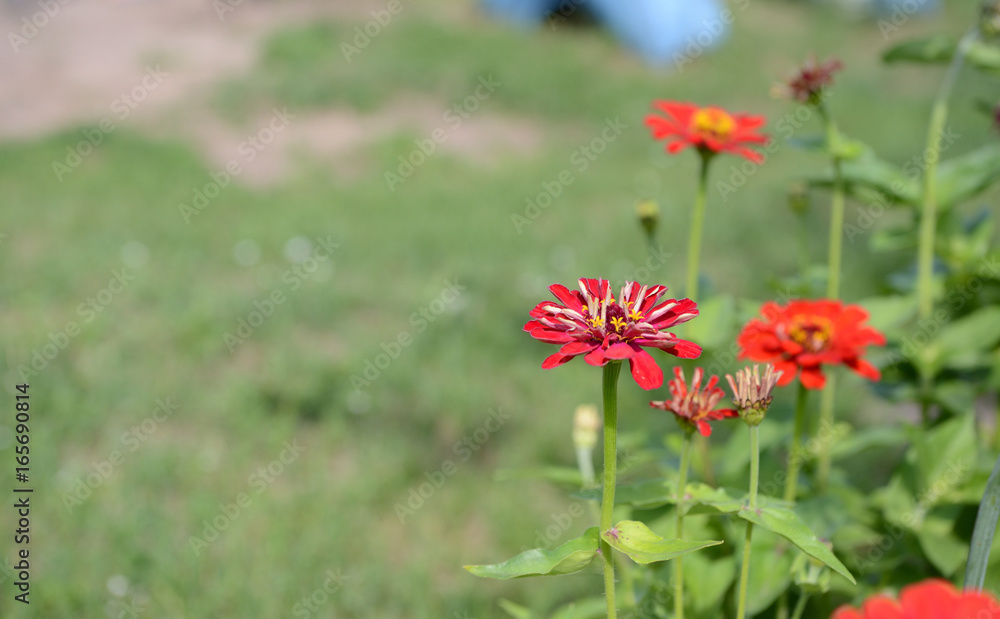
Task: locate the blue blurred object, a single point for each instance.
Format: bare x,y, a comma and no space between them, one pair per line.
660,31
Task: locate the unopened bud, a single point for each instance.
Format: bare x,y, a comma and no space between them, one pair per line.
798,198
586,423
752,393
648,212
990,18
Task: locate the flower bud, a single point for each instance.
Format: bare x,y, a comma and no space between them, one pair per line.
586,423
798,198
648,212
752,393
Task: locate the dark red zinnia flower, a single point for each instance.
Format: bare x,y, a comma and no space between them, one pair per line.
695,406
709,129
930,599
804,335
807,85
593,323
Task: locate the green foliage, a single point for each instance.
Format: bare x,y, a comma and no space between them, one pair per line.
568,558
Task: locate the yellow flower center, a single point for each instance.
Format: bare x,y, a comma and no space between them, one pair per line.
714,122
813,332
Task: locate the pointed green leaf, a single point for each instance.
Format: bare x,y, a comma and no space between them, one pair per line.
570,557
643,494
708,580
785,523
937,49
637,541
964,177
516,611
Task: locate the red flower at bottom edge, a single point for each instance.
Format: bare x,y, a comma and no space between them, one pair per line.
931,599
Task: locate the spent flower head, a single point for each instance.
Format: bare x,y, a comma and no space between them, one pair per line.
648,212
694,406
752,392
808,84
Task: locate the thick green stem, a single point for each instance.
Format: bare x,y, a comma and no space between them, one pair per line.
697,223
754,477
928,218
800,607
611,372
795,453
681,492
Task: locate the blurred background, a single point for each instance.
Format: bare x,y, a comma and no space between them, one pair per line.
268,264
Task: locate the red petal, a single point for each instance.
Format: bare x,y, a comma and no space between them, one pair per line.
645,371
577,348
788,371
846,612
864,368
704,428
619,351
555,361
884,608
812,378
596,357
931,599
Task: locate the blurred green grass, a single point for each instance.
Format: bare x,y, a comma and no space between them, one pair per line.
333,508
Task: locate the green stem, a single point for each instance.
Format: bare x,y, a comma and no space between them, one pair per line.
754,476
800,607
836,208
611,372
697,223
681,492
795,455
928,218
825,432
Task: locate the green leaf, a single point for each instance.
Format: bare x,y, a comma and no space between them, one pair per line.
568,558
983,55
708,500
770,573
938,541
937,49
873,436
644,494
785,523
590,608
707,580
716,322
984,532
637,541
867,171
884,313
516,611
942,455
979,331
964,177
561,475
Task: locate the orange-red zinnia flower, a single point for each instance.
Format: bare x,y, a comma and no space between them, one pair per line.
709,129
695,406
931,599
804,335
591,322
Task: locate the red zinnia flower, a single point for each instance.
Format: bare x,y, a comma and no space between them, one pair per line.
931,599
709,129
591,322
807,334
694,406
807,85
